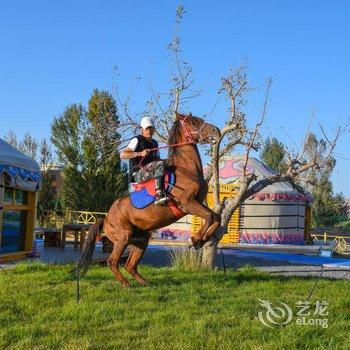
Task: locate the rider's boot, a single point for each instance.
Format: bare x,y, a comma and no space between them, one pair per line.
161,198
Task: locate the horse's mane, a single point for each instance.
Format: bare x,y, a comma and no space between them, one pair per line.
174,135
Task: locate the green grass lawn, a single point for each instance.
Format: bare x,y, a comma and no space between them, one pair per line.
179,310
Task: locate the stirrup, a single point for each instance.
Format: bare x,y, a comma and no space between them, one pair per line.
160,200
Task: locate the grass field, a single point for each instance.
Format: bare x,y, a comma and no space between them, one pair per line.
179,310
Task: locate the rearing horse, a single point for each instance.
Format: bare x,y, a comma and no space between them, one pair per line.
126,225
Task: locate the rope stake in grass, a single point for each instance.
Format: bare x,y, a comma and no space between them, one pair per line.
328,284
313,288
223,261
78,287
6,272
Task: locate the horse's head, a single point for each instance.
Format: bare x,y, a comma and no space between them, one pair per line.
197,130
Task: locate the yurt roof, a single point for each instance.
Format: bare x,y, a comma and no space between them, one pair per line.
22,171
231,169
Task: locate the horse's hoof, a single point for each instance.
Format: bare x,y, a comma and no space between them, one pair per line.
125,285
198,245
142,282
195,243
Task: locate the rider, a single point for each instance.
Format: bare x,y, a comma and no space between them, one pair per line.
139,150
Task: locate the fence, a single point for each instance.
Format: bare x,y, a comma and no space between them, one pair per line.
343,242
57,218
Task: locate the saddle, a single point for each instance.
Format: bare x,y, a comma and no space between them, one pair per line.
144,193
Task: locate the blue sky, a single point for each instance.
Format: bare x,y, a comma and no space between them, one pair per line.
55,53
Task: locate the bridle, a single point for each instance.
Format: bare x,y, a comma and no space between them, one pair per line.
189,133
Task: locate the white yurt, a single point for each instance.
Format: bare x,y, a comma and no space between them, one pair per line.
19,183
278,214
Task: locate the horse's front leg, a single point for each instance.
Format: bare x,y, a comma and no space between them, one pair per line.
211,221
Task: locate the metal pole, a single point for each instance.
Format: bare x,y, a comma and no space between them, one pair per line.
78,286
223,261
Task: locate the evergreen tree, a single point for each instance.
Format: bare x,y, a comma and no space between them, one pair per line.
273,154
46,198
66,135
86,141
327,208
110,180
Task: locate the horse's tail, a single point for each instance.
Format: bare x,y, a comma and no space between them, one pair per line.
88,249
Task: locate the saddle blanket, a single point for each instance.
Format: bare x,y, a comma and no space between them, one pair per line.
144,193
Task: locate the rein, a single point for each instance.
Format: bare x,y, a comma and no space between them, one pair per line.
173,145
167,146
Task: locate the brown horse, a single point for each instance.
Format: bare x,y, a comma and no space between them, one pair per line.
125,225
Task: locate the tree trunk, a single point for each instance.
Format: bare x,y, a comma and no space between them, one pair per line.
209,253
210,248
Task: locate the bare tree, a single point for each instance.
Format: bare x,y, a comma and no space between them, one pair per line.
29,146
160,105
11,138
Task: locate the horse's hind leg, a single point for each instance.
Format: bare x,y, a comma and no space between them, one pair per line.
139,243
131,265
113,261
